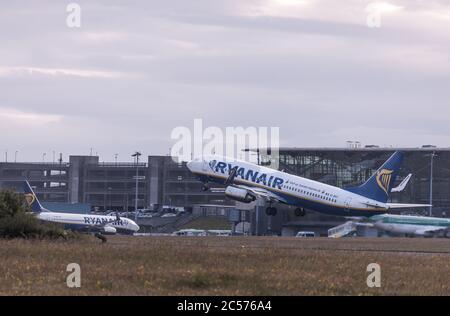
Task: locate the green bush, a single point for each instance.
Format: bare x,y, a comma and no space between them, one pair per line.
17,220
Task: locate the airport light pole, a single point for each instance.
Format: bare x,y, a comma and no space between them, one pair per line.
433,154
136,155
110,198
257,154
15,156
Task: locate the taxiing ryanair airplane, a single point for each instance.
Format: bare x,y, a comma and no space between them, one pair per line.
98,224
245,182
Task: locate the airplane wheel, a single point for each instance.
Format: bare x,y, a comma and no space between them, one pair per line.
205,188
101,237
271,211
300,212
274,211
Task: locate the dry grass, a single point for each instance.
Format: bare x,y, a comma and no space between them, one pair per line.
224,266
209,223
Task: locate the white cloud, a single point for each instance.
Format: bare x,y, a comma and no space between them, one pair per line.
276,8
26,118
383,7
84,73
103,36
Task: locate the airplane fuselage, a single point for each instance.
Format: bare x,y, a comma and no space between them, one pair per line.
294,190
411,225
86,221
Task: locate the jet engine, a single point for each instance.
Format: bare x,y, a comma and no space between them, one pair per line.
239,194
109,230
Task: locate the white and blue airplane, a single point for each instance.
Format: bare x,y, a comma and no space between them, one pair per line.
245,182
100,225
412,225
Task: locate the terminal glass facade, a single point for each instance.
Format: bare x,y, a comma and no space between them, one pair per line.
351,167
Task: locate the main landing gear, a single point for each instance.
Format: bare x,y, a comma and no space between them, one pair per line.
271,211
300,212
205,187
101,237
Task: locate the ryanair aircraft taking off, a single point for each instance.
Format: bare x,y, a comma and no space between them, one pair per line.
245,182
98,224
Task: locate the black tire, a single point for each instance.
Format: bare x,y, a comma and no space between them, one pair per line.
274,211
271,211
205,188
300,212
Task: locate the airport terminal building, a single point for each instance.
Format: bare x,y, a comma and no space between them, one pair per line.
162,181
346,167
110,186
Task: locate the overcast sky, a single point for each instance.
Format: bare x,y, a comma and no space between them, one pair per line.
135,70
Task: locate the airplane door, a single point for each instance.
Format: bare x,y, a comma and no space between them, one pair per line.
347,203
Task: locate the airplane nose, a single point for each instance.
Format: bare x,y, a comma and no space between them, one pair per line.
195,165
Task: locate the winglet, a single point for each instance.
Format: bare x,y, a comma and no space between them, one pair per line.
403,184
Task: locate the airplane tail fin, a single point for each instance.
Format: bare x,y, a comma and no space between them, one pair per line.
32,199
381,182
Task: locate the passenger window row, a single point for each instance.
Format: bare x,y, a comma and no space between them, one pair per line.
323,197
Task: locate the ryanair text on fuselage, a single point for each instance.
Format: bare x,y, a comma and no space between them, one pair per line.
247,174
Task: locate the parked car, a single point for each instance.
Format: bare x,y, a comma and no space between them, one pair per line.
169,215
303,234
190,232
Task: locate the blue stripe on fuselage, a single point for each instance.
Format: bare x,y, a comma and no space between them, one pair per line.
298,201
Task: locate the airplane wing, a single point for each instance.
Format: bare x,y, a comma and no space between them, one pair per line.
358,219
402,205
364,224
430,230
402,185
262,193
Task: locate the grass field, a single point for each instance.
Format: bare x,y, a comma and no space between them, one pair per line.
225,266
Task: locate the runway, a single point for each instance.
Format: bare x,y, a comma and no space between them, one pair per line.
381,245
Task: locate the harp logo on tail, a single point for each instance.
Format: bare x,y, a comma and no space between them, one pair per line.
30,197
384,178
